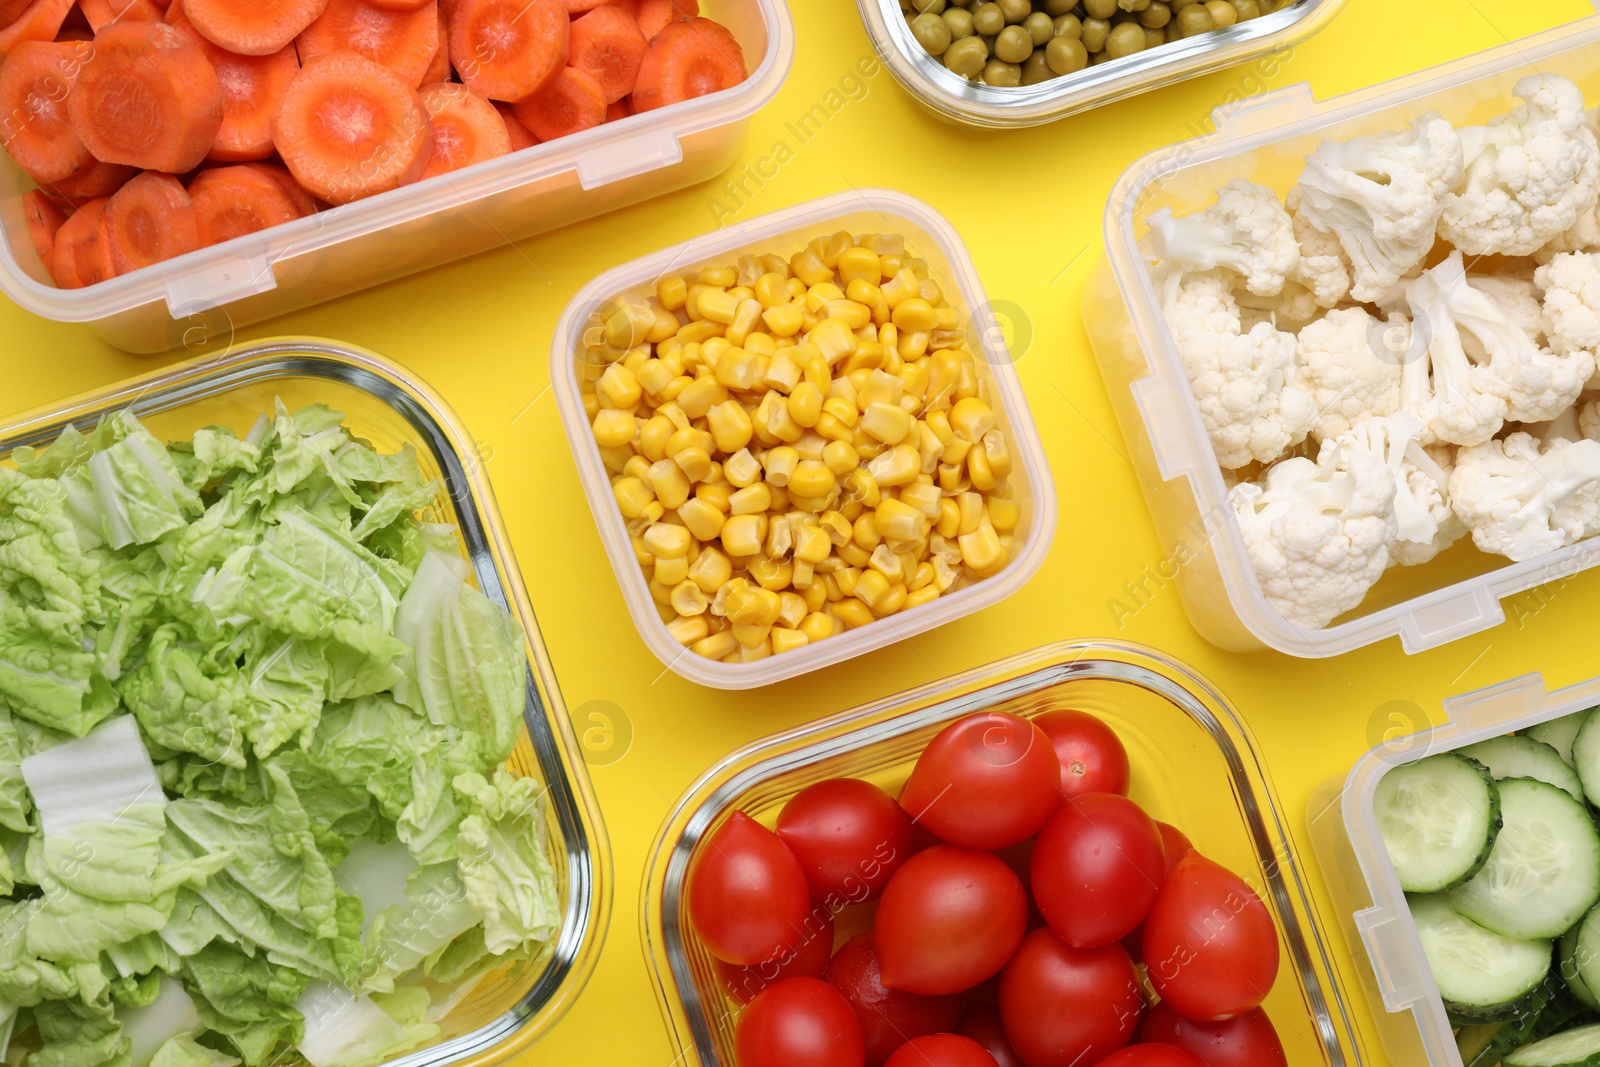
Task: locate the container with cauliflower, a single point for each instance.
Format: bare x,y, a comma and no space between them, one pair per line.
1370,347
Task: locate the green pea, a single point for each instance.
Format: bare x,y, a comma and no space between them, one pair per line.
996,72
931,33
989,19
959,20
1040,27
1155,16
1015,10
1069,26
1013,45
928,7
1066,55
1124,40
1057,8
1195,19
1095,32
967,56
1247,9
1133,5
1100,9
1222,12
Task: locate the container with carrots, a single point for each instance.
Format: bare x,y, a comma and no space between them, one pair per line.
153,128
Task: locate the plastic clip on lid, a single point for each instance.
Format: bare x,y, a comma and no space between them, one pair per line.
628,157
1263,113
214,286
1399,980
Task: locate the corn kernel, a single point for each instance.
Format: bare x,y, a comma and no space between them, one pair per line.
899,521
840,457
915,598
860,487
809,268
653,437
888,424
865,533
887,564
751,653
619,387
879,387
859,263
912,346
1004,515
666,541
730,426
722,277
632,496
745,318
780,464
971,418
752,606
700,396
771,291
700,332
901,287
981,550
771,574
717,646
911,315
952,477
754,499
671,485
833,339
653,376
865,292
817,626
836,246
627,321
948,523
853,314
784,320
804,574
998,453
689,599
805,404
742,534
898,466
672,292
780,537
742,469
812,543
688,630
978,472
614,428
892,601
784,640
852,613
671,571
792,611
710,570
702,519
853,555
811,479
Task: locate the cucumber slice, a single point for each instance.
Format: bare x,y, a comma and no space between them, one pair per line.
1559,733
1523,757
1571,956
1586,755
1574,1048
1482,976
1438,818
1543,872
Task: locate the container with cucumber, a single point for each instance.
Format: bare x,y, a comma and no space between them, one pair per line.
1498,851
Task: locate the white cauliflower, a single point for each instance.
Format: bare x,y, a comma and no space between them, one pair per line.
1246,230
1522,497
1588,416
1530,176
1323,270
1318,533
1243,381
1424,523
1381,196
1571,318
1518,297
1340,365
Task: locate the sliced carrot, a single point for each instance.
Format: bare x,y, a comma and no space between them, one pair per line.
252,89
81,256
466,128
349,128
573,101
440,70
253,27
578,7
11,10
521,136
653,15
102,13
508,49
607,45
400,5
403,41
304,202
687,59
44,220
230,202
35,82
617,109
148,221
93,182
147,97
39,21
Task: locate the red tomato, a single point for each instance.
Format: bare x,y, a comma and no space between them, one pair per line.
1092,758
1209,943
799,1022
849,836
941,1050
948,919
1097,867
981,1022
1246,1041
1065,1006
987,781
1174,843
809,960
747,895
887,1016
1152,1056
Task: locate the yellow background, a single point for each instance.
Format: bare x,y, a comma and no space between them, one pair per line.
1029,205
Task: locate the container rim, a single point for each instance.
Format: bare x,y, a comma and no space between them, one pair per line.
889,205
956,99
700,807
568,790
214,276
1243,128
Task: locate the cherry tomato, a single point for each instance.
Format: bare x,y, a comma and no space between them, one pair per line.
948,919
1092,758
1175,844
808,960
747,895
1065,1006
1152,1056
987,781
887,1016
981,1022
941,1050
799,1022
1209,943
849,836
1246,1041
1097,867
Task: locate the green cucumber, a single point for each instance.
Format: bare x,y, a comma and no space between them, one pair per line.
1571,1048
1571,957
1559,733
1524,757
1438,818
1482,976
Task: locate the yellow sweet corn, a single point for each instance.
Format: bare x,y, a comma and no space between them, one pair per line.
898,521
833,339
888,424
717,646
981,550
700,396
742,468
779,464
860,264
784,320
784,640
710,570
742,534
614,428
688,630
665,541
771,574
702,519
730,426
671,571
632,496
753,499
852,613
817,626
1004,515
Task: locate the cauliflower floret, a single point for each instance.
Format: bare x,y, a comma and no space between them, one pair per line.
1246,231
1323,270
1424,523
1571,319
1517,297
1243,382
1530,176
1292,308
1349,376
1318,533
1381,196
1521,500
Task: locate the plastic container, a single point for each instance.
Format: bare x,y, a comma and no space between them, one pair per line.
928,235
1377,924
1194,765
216,290
1265,140
959,101
505,1013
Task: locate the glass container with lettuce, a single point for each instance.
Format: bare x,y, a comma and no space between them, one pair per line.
253,723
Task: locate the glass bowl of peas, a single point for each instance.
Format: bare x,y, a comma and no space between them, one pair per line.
1008,63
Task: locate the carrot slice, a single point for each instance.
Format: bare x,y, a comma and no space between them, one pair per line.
11,10
35,82
230,202
607,45
687,59
401,5
440,70
303,201
508,49
252,89
253,27
521,136
349,128
103,13
93,182
466,128
403,41
617,109
149,220
147,97
81,256
44,220
573,101
653,15
39,21
578,7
